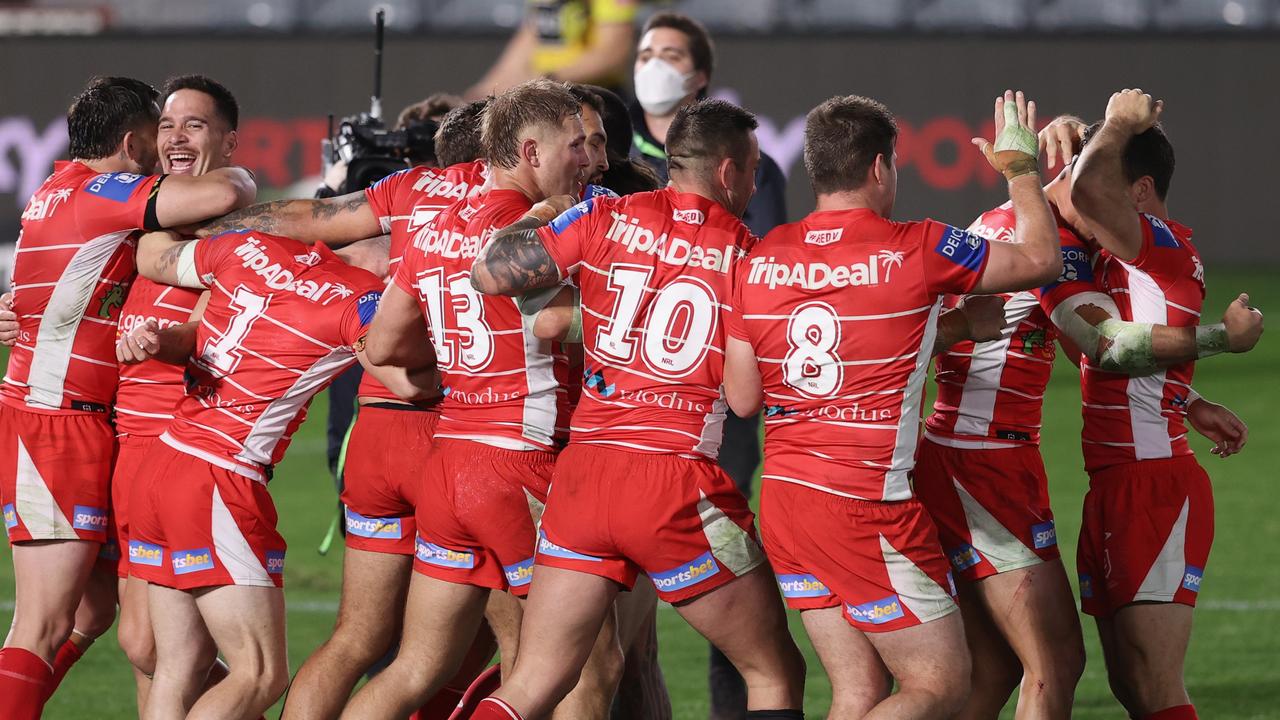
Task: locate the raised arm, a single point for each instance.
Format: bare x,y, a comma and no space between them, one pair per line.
185,199
164,257
332,221
513,66
1090,321
1099,188
515,261
1033,258
610,49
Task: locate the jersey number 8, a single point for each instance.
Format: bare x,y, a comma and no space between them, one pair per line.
811,365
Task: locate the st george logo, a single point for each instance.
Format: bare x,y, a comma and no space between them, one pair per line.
113,300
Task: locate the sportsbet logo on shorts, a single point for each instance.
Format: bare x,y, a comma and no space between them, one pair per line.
145,553
876,612
964,557
520,574
686,574
189,561
88,518
10,517
802,586
433,554
375,528
1191,578
1044,535
275,562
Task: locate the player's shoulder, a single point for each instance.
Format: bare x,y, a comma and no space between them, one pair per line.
116,186
996,224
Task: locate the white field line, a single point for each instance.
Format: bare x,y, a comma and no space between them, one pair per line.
330,607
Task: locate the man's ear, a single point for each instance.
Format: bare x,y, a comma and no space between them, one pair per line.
529,151
880,170
699,82
727,173
127,144
229,143
1143,190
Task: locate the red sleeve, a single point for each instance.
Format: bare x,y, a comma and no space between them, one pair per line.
954,259
565,236
211,252
112,202
382,196
734,323
357,315
1077,273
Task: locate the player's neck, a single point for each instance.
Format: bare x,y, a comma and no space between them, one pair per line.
111,163
846,200
1156,207
520,179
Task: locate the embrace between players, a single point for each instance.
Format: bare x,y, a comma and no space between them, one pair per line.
549,365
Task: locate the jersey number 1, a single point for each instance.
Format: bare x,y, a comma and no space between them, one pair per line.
223,354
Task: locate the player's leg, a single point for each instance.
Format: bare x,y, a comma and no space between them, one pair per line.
247,625
135,637
94,616
642,689
592,696
374,586
440,621
931,664
184,652
504,613
1149,644
859,679
1034,610
996,668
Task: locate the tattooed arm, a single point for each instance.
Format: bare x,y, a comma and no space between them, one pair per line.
332,221
164,257
515,260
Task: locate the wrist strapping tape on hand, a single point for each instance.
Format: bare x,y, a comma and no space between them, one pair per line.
574,334
186,266
1015,137
1211,339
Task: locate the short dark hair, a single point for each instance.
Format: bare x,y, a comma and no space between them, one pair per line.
617,122
1147,153
700,47
585,96
458,139
535,102
842,138
224,103
709,130
435,105
107,109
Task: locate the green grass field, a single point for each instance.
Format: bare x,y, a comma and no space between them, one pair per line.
1233,670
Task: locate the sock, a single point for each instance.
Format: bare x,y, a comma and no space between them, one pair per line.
775,715
23,679
492,708
1177,712
67,656
485,684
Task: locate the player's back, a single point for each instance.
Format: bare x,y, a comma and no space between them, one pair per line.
281,323
655,270
72,268
407,203
1140,418
841,309
502,385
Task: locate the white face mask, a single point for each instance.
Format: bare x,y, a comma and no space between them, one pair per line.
660,87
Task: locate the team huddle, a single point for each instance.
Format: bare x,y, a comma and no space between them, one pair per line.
551,345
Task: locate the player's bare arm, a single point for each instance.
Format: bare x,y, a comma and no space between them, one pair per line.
515,261
164,257
557,313
185,199
408,384
8,321
398,334
333,221
373,254
979,318
743,388
1090,321
1061,139
1034,258
1099,189
1217,423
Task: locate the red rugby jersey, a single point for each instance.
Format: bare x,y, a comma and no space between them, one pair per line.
405,203
990,394
842,311
72,268
280,325
502,386
1127,419
150,390
655,270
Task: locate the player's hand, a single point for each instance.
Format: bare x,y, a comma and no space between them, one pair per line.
8,321
1062,138
141,343
1244,325
550,209
1015,150
985,315
1227,431
1133,110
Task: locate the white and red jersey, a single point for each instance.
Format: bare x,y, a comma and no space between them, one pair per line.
149,391
655,270
72,268
281,323
990,394
842,311
406,203
1126,418
502,386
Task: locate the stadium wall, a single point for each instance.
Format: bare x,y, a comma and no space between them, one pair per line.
939,86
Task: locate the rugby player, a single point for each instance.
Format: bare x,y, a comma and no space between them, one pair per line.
840,310
980,475
73,268
1148,516
637,489
282,321
503,415
390,437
